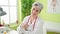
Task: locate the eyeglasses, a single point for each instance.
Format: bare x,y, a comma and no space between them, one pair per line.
35,10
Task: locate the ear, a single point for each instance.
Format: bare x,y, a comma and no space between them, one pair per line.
40,11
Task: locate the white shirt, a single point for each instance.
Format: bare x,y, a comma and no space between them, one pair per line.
38,26
30,28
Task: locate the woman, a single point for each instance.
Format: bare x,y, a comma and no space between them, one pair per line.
32,24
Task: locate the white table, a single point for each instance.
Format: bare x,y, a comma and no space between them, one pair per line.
10,32
2,29
13,32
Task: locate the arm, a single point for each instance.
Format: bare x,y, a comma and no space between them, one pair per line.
20,26
39,27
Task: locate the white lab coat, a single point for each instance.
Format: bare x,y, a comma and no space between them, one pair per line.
38,27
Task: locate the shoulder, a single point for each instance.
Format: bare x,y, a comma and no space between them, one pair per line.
40,20
26,17
25,20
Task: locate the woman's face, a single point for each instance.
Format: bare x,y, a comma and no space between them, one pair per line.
35,10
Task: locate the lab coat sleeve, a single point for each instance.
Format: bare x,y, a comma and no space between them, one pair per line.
20,26
39,28
44,29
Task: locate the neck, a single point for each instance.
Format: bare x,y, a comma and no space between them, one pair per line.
33,16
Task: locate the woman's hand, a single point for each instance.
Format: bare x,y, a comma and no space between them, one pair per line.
25,26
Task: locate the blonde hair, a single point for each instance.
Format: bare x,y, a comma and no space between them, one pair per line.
37,4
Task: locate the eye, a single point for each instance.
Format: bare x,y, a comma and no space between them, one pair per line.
33,8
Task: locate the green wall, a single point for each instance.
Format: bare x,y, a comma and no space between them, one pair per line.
19,11
46,16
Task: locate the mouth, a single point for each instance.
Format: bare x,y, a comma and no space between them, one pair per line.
34,14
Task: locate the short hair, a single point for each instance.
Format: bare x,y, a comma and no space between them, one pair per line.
37,4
